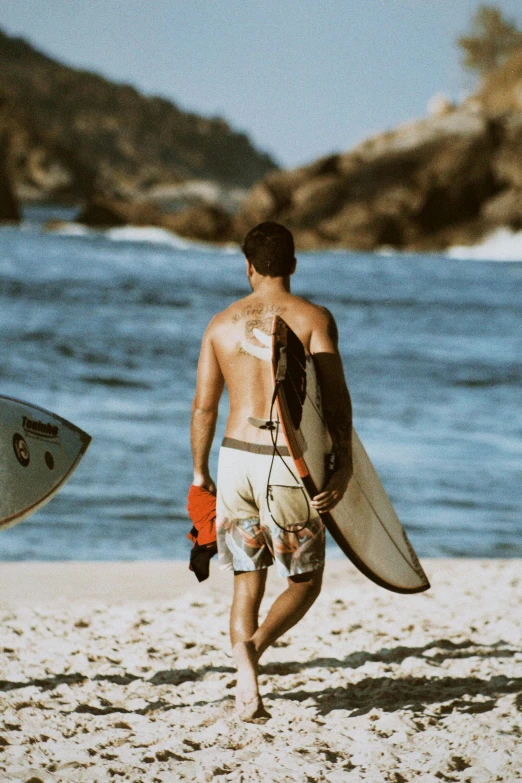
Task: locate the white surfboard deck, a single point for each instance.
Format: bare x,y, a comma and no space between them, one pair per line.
38,453
364,523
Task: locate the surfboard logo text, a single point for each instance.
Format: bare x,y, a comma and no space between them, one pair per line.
40,429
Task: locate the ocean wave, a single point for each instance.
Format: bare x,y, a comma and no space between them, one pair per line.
513,379
161,236
67,229
501,245
151,235
141,234
115,381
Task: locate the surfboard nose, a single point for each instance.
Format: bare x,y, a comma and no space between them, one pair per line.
39,451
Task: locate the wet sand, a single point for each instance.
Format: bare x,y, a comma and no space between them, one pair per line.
124,672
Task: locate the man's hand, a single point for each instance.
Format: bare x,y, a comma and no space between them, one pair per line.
334,490
205,481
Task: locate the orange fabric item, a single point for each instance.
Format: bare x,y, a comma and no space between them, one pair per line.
201,507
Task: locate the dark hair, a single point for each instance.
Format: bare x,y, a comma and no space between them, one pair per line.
270,248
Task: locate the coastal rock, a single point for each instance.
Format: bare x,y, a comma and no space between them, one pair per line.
205,222
105,212
448,179
39,169
505,210
440,104
202,222
9,209
409,188
273,195
260,205
507,165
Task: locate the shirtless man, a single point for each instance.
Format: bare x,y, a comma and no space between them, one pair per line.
251,532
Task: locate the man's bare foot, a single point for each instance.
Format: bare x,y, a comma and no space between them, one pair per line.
248,701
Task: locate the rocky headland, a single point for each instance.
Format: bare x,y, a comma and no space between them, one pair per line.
69,136
9,208
451,178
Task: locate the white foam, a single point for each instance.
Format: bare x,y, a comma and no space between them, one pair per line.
501,245
70,230
162,236
151,234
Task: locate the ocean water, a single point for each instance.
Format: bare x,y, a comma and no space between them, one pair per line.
104,329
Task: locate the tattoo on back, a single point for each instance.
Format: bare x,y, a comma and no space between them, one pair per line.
258,312
259,317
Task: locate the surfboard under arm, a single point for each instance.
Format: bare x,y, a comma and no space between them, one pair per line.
364,523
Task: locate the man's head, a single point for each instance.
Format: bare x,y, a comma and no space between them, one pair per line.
270,249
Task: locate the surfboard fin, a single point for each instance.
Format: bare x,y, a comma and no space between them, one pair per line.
262,424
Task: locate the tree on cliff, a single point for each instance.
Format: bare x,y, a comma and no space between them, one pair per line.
491,41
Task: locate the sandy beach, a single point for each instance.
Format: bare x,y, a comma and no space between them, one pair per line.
122,671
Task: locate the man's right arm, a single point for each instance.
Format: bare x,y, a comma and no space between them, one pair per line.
209,388
337,407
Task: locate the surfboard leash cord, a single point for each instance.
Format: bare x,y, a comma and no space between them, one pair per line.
276,452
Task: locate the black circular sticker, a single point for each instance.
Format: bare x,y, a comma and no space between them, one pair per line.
21,450
49,460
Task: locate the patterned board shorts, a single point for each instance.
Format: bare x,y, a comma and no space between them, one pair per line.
248,513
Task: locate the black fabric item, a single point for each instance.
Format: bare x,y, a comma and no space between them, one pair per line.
200,560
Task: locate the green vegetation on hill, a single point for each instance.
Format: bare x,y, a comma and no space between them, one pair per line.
128,141
491,40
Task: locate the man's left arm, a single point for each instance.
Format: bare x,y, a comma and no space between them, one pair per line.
209,388
337,409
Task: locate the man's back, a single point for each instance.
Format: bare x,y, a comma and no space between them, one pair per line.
241,338
236,351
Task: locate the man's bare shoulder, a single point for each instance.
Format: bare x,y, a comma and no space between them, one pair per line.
225,323
324,336
319,318
314,311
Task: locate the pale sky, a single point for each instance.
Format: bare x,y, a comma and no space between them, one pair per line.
302,77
